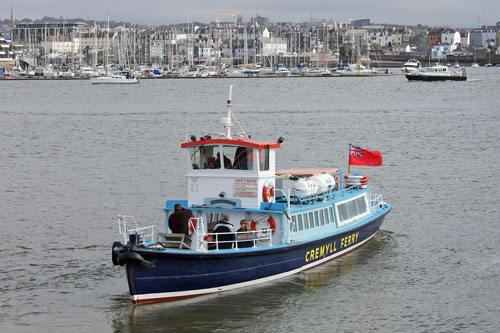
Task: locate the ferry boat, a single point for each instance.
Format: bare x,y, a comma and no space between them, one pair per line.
438,73
299,218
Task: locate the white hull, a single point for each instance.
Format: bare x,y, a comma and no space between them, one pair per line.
113,80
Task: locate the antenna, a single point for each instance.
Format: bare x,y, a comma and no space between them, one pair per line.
227,120
187,127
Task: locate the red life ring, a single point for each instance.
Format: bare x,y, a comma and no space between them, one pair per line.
192,225
268,193
270,220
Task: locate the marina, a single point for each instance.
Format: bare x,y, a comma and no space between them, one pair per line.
73,157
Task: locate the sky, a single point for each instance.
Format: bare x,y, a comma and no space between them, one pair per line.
452,13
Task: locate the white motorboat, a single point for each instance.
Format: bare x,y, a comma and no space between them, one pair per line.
316,71
411,66
283,71
88,72
114,79
438,73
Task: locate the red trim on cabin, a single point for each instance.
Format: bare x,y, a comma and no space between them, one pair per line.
252,143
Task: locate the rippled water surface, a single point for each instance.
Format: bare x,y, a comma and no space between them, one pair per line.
73,156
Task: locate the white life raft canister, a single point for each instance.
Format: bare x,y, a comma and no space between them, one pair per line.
324,181
304,188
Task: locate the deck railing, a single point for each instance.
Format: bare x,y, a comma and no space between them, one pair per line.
376,202
336,192
237,238
212,240
146,234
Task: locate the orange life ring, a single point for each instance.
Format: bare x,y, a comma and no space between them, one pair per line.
268,193
270,220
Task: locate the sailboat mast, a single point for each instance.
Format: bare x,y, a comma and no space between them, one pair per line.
107,47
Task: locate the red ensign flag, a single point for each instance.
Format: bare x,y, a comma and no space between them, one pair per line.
360,156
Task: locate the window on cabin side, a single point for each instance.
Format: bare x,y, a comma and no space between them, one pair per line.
294,223
351,209
264,159
330,211
306,221
322,216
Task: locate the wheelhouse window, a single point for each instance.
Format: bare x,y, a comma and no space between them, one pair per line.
238,158
264,159
205,157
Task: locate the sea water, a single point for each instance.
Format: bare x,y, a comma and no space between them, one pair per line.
73,156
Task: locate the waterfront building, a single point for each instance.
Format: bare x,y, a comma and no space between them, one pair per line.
361,23
464,37
488,38
401,36
450,36
385,38
434,37
6,52
261,21
476,38
373,36
439,52
273,45
37,33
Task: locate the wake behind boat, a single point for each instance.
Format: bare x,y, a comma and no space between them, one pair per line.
438,73
297,219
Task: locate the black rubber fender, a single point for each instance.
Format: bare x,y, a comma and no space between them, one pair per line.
128,257
114,256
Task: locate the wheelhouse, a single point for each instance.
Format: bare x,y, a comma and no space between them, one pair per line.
229,170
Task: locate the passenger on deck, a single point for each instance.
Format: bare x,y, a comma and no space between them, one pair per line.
241,233
227,162
224,241
178,221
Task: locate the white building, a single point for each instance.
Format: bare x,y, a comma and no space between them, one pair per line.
385,38
273,45
451,37
65,47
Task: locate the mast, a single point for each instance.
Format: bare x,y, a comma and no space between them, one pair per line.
254,41
80,47
107,47
227,120
94,63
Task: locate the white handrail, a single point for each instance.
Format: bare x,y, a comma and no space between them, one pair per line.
146,233
202,238
376,202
